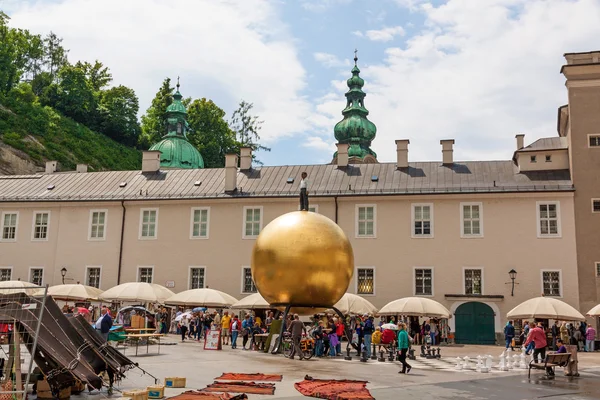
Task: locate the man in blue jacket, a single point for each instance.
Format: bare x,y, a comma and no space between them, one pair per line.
509,334
104,323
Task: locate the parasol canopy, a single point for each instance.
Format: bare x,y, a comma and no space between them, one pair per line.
415,306
10,287
137,291
83,310
545,307
353,304
73,292
188,315
140,310
252,302
594,312
393,327
204,297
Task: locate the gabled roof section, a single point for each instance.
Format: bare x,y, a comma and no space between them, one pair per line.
553,143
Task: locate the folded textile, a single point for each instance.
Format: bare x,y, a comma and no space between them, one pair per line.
233,376
334,389
196,395
241,387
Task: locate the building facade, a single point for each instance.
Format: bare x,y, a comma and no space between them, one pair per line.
448,230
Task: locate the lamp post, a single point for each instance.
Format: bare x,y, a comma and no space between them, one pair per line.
513,275
63,273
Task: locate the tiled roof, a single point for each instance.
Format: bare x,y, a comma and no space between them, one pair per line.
324,180
552,143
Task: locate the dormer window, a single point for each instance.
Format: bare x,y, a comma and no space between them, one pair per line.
533,159
548,158
179,127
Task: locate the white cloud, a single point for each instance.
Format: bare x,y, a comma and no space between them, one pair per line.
226,51
318,143
358,33
321,5
330,60
382,35
478,72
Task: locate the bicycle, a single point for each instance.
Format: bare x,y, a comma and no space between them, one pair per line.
307,346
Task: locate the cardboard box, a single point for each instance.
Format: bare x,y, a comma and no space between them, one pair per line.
156,392
175,382
136,394
138,322
44,391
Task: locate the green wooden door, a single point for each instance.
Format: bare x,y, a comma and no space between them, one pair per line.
474,324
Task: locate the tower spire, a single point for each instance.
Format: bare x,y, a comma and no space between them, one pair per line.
178,83
355,56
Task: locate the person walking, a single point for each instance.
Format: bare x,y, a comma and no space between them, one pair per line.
296,328
590,337
368,329
403,345
509,334
304,192
555,331
246,326
183,327
537,336
235,330
225,327
104,323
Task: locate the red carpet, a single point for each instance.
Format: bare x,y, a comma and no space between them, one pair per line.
232,376
195,395
241,387
334,389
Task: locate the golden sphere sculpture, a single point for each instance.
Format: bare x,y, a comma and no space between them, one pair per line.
304,259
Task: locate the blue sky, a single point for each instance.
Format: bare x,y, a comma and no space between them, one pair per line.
475,71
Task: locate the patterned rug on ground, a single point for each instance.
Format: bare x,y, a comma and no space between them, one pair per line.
333,389
233,376
241,387
195,395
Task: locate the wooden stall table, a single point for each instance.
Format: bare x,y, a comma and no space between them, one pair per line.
140,330
259,340
138,336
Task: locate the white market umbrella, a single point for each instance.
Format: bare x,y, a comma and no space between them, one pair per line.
73,292
10,287
545,307
594,312
202,298
393,327
138,292
416,307
353,304
252,302
185,314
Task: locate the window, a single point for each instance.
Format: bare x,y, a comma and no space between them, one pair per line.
196,277
594,140
471,215
548,219
422,218
200,218
93,276
551,283
548,158
36,276
252,222
9,226
97,224
598,269
596,205
365,281
533,159
41,220
247,281
145,274
365,221
473,281
5,274
149,221
423,281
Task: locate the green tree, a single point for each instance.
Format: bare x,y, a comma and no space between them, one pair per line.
154,121
118,110
75,95
97,75
210,133
11,60
246,127
56,55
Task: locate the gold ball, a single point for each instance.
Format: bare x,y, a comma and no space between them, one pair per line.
304,259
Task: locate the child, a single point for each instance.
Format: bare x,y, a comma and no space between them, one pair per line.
376,338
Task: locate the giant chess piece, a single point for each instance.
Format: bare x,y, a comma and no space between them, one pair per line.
502,365
466,363
489,363
459,365
522,363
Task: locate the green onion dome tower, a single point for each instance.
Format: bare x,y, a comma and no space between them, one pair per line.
176,151
355,129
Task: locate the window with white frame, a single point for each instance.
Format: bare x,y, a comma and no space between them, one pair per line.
423,281
93,276
148,223
41,221
36,276
473,281
365,281
252,221
365,220
196,277
551,283
422,216
548,219
200,218
5,274
596,205
9,226
248,285
145,274
472,224
97,224
594,140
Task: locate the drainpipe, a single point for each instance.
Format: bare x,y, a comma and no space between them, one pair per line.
121,244
336,209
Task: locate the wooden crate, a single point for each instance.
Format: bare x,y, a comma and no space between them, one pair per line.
137,322
175,382
136,394
44,391
156,391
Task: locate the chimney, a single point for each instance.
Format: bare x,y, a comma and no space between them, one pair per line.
81,168
342,155
447,150
245,158
231,162
51,166
150,161
402,153
520,141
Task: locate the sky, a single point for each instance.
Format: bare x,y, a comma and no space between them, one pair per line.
477,71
